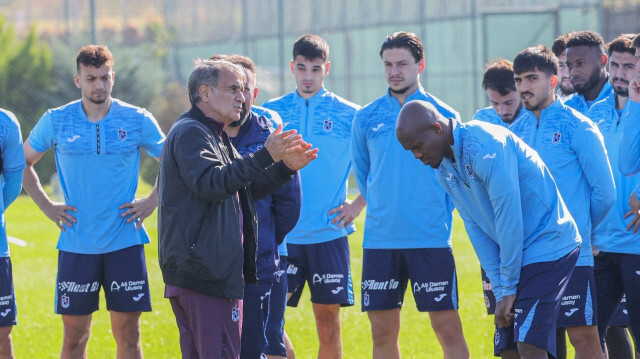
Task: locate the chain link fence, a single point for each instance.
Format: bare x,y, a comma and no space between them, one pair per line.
155,42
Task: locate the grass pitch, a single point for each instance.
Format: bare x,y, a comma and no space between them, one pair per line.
39,330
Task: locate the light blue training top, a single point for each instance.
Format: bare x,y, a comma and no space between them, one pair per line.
12,166
612,235
580,104
509,202
572,147
406,207
98,165
323,120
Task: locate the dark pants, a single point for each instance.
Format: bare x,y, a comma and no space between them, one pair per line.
209,326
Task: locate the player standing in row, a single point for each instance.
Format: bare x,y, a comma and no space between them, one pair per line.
559,48
517,222
572,148
277,215
615,244
505,109
399,243
11,166
586,61
97,142
318,247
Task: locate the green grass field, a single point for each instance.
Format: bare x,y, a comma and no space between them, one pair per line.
39,330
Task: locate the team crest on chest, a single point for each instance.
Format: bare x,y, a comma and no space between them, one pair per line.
556,138
328,125
122,135
469,171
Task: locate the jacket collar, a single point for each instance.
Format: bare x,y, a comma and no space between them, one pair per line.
215,125
313,99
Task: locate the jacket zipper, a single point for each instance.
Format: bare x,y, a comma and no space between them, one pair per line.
98,136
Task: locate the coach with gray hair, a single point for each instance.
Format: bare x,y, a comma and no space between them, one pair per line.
206,215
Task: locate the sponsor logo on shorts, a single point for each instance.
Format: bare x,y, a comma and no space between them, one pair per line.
371,284
6,299
638,272
64,301
366,299
291,269
570,312
5,313
127,286
486,285
440,297
337,290
496,338
430,286
327,278
73,287
138,297
570,299
235,313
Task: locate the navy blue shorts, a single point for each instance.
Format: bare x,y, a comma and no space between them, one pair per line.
277,304
617,274
621,315
386,273
489,298
578,305
122,274
326,267
256,309
8,308
537,304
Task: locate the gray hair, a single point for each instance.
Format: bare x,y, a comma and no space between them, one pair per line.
207,72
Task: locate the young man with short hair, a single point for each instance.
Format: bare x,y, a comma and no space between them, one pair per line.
11,166
572,148
586,60
318,247
407,232
611,239
517,222
97,142
559,48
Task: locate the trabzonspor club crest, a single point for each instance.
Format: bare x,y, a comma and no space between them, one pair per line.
122,135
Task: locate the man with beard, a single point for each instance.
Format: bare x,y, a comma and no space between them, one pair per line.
408,238
318,247
516,220
277,215
615,244
573,149
500,88
559,48
97,142
505,109
630,145
586,61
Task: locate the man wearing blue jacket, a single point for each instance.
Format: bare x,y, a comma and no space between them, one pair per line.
318,246
619,252
408,238
277,215
498,84
11,166
586,61
630,145
559,48
572,148
493,177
